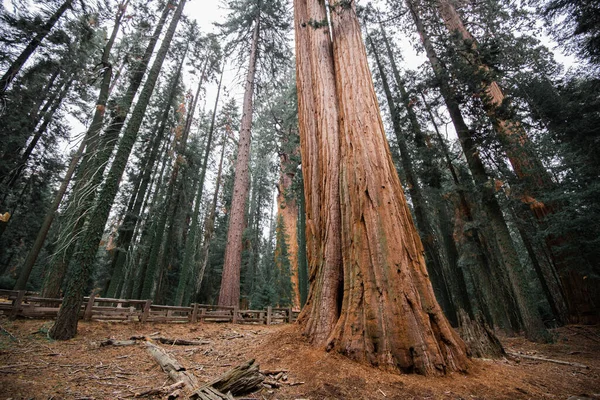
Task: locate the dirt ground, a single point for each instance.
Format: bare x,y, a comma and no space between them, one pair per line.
35,367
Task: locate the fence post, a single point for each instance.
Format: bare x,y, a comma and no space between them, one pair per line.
234,318
290,315
17,304
194,313
202,314
146,311
87,314
269,312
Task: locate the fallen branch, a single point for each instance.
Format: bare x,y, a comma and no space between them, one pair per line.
179,342
273,371
3,329
172,367
161,390
114,342
14,365
270,383
538,358
136,339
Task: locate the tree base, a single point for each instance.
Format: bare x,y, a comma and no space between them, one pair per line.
479,338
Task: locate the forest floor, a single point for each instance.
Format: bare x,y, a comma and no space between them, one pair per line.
35,367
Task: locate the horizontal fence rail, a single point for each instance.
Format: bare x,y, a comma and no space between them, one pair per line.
20,303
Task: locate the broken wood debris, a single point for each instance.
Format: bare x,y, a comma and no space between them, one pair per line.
161,390
244,378
210,393
172,367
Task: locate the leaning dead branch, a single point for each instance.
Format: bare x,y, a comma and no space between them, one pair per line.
538,358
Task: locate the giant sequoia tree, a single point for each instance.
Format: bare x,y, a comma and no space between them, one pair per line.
388,314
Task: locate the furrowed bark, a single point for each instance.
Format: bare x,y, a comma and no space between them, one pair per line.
389,317
289,212
433,247
319,140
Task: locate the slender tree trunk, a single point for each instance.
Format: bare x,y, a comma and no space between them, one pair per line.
128,226
527,166
512,277
473,254
148,233
209,225
156,257
229,294
46,119
320,149
17,64
36,248
518,146
183,289
94,162
68,316
9,166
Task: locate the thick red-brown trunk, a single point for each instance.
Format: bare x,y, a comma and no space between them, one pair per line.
229,295
319,141
389,313
389,316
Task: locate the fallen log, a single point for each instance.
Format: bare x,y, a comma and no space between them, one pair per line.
172,367
136,339
178,342
538,358
244,378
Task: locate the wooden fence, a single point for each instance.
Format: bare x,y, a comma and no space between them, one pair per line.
30,305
